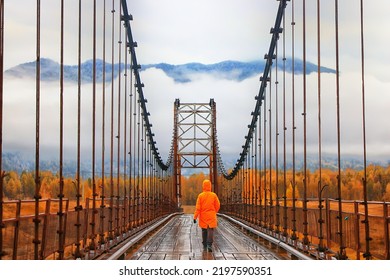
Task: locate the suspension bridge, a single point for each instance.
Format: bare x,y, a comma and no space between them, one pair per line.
134,210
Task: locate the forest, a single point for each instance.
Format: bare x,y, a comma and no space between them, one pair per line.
22,185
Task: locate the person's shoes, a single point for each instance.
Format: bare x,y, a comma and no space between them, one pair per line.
209,249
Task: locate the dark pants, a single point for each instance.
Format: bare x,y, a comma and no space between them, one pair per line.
207,237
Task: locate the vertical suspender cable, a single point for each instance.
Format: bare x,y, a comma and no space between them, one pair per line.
246,186
284,132
126,198
242,184
265,163
341,253
367,253
254,177
321,247
150,176
102,196
277,201
61,192
256,170
145,173
155,198
139,188
135,180
118,136
1,123
148,179
37,195
249,179
77,253
131,176
111,219
271,214
294,227
260,171
92,245
142,126
305,223
244,189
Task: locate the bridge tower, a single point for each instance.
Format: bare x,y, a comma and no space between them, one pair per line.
194,143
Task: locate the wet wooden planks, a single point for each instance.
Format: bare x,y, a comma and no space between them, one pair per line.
181,239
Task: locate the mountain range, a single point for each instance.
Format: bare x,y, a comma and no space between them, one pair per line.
181,73
15,161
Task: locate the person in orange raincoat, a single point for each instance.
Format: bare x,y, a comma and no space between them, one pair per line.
207,206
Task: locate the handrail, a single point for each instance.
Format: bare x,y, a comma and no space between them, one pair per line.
271,239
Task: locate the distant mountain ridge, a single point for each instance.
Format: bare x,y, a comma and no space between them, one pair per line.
182,73
50,71
230,70
16,161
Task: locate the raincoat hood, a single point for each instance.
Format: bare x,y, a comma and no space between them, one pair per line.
206,186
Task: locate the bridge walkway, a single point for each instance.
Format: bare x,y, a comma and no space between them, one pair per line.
181,239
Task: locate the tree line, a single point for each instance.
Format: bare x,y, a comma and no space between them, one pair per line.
22,185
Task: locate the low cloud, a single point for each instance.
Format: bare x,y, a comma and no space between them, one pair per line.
235,100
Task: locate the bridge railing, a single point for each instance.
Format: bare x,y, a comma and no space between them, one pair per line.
278,223
126,216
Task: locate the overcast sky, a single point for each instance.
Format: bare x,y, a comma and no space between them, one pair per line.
209,31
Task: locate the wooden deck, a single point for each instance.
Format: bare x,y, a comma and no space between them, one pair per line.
181,239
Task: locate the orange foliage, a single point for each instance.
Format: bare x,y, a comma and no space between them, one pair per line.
22,186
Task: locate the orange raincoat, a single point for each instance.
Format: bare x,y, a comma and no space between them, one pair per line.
207,206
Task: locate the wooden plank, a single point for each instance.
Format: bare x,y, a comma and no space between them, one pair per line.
158,256
229,256
171,256
196,256
145,256
184,257
241,256
181,239
260,257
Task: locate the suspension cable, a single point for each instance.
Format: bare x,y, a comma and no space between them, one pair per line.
260,97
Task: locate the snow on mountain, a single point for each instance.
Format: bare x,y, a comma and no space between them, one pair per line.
182,73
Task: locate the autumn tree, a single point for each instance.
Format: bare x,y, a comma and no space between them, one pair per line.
12,186
191,187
